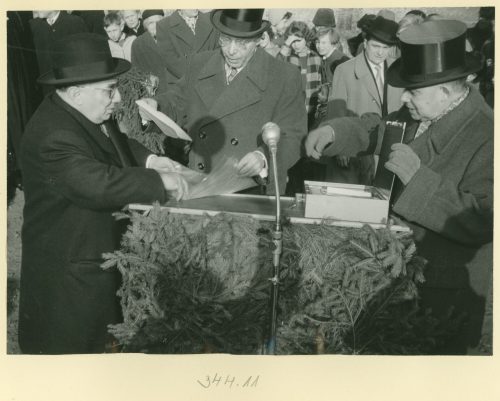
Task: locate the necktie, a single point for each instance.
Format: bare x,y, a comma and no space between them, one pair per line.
119,142
379,80
231,75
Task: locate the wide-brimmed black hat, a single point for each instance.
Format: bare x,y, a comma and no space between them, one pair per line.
81,58
432,53
383,30
240,23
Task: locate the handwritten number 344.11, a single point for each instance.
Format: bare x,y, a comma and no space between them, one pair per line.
228,381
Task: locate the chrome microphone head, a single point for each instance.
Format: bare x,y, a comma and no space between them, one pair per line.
271,134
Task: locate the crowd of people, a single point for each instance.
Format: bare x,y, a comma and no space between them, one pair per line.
221,76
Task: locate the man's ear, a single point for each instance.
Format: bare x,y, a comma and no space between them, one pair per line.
74,93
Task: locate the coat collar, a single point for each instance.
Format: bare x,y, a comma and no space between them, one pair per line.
246,89
180,29
445,130
363,73
93,130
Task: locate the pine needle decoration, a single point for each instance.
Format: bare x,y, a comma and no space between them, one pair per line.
196,284
133,85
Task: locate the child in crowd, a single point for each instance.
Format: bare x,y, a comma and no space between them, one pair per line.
119,43
267,42
329,48
297,51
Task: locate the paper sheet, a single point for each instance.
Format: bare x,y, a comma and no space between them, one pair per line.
165,123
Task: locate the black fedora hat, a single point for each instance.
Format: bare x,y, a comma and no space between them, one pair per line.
432,53
81,58
240,23
383,30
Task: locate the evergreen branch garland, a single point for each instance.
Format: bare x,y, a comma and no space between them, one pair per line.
133,85
199,284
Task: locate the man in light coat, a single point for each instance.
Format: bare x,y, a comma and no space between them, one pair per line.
444,170
228,94
360,88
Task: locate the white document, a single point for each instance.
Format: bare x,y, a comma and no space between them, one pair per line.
168,126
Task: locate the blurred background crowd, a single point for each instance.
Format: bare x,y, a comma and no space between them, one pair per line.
159,43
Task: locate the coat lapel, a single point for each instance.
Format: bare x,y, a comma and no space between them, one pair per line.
203,30
180,29
364,74
222,99
92,130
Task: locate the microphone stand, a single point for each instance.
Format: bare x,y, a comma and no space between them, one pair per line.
277,236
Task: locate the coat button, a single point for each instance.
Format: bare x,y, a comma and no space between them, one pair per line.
202,135
234,141
201,166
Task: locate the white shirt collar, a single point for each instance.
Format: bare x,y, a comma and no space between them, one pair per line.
52,20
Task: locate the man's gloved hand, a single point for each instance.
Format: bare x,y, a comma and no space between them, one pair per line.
403,162
317,140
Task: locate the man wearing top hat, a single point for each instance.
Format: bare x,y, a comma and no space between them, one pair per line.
360,88
78,170
444,169
228,94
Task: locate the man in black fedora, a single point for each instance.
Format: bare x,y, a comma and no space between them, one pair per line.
228,94
444,170
360,88
78,169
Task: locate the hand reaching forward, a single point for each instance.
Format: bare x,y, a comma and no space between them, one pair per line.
251,164
163,164
403,162
175,184
317,140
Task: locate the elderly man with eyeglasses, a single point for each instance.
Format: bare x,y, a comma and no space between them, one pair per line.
78,169
228,94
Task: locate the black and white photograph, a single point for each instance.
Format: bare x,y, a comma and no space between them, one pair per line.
250,182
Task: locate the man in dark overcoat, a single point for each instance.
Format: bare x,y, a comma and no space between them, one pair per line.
228,94
182,34
146,53
78,170
444,169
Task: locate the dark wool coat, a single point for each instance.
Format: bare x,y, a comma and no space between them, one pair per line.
177,41
44,35
330,64
73,182
147,57
226,120
448,203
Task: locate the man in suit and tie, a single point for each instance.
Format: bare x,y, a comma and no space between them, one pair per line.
228,94
78,169
359,88
182,34
444,171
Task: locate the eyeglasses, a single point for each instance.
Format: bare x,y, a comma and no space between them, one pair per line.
111,90
226,41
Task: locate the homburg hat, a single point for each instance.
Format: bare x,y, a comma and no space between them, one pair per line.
324,17
240,23
82,58
432,53
149,13
383,30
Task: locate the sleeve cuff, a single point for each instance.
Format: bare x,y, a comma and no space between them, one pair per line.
265,170
150,159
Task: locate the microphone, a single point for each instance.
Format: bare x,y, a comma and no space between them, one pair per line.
271,135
